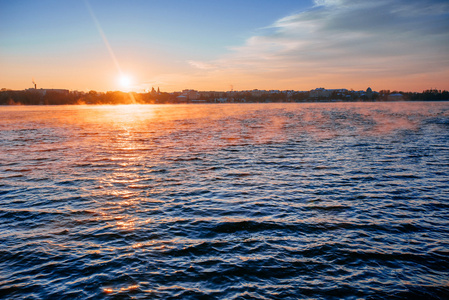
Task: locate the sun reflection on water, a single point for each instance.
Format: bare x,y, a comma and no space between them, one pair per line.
110,290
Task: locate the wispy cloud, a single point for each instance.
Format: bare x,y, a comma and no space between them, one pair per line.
341,40
201,65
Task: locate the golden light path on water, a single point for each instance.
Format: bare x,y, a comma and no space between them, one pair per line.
187,128
275,200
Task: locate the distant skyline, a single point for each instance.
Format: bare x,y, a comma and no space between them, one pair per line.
221,45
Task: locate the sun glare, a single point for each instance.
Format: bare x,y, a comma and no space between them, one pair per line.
125,82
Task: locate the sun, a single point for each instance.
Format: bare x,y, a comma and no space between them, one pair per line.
125,81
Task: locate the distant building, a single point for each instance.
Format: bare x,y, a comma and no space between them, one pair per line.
325,93
43,92
369,93
204,95
395,97
257,93
191,94
181,99
153,92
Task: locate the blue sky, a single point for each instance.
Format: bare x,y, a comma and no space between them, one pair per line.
215,44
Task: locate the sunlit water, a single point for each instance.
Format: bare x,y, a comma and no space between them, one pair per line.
263,201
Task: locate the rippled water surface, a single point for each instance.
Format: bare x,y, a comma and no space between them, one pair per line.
238,201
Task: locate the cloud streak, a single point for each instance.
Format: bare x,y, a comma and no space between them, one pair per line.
338,41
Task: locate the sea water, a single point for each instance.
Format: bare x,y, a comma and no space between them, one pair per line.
225,201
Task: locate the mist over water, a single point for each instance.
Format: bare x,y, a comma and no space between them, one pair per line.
232,201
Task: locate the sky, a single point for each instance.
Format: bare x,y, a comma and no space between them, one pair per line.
134,45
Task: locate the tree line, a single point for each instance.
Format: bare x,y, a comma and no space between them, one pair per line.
56,97
38,97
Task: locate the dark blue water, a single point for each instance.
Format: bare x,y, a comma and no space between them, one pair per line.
273,201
